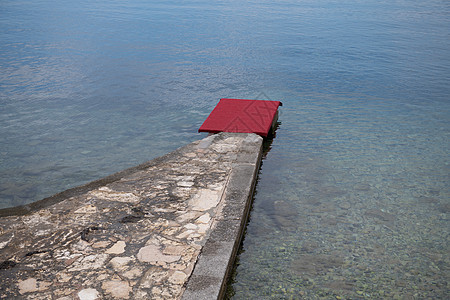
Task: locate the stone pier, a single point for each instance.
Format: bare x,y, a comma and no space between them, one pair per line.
167,229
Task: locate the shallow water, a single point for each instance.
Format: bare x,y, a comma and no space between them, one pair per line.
353,197
356,209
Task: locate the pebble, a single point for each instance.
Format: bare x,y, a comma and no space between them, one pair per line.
344,205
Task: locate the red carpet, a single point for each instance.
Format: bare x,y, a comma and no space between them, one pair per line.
241,115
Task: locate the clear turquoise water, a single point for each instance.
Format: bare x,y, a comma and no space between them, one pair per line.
353,197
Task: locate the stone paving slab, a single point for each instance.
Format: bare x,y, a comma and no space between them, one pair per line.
167,229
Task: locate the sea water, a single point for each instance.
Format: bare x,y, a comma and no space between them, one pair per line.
352,199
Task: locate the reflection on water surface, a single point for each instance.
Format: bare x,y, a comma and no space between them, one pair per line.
352,200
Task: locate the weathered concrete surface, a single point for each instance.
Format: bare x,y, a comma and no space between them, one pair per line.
167,229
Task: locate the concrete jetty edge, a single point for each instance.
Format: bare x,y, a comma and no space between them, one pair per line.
213,267
167,229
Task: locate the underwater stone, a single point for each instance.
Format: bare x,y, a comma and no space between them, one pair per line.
379,214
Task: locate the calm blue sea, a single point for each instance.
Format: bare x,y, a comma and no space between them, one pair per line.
353,198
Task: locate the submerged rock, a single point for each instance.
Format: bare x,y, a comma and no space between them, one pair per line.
425,199
340,285
444,208
380,215
285,215
315,264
